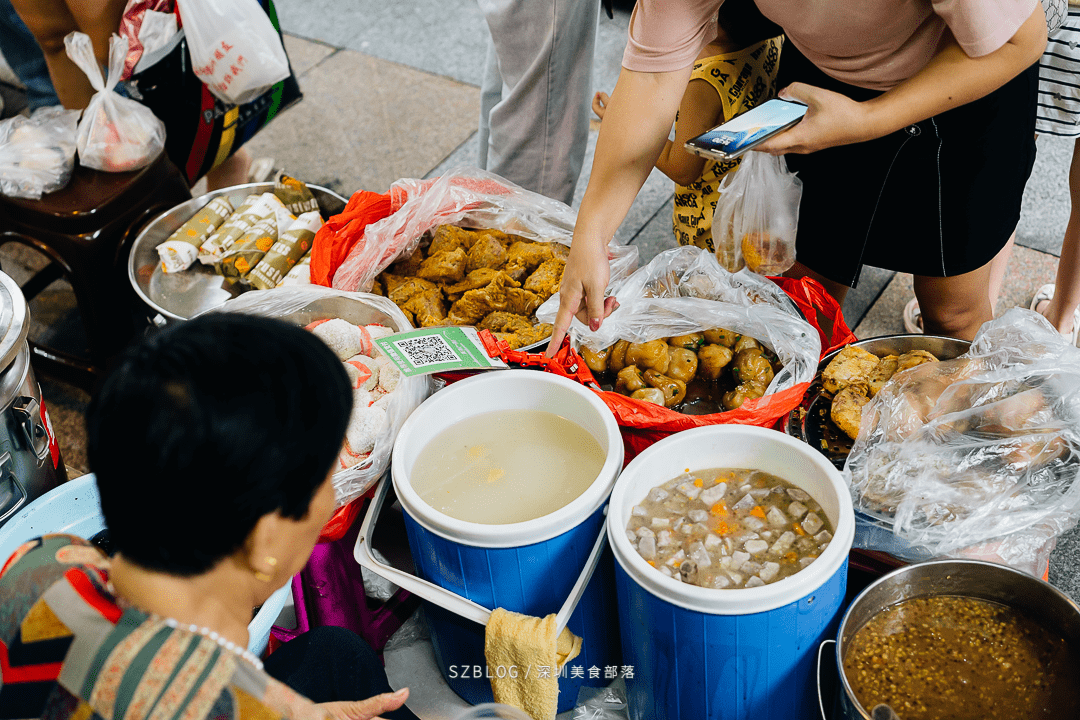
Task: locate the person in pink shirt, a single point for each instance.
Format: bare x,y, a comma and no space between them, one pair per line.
913,154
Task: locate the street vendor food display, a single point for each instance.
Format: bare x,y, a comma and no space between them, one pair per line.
962,658
486,278
260,243
697,373
728,528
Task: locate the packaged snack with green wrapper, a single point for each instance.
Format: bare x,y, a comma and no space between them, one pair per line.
181,249
300,274
291,245
246,253
253,209
295,195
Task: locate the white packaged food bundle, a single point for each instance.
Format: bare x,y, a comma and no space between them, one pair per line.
382,398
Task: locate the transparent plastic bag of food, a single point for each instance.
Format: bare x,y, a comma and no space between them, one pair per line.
471,198
756,215
116,134
684,290
977,456
37,153
285,301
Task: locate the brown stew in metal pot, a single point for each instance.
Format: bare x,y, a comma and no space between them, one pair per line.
958,658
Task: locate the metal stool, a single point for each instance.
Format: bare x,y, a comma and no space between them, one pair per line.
87,229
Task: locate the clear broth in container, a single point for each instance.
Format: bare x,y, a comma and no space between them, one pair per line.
507,466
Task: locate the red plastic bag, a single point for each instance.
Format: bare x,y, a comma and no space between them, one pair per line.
813,299
336,239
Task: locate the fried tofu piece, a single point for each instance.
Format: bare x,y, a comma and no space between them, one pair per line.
445,266
402,292
521,301
408,266
913,358
847,408
881,374
427,309
545,280
528,254
852,364
478,279
505,322
377,287
475,304
451,237
486,252
535,334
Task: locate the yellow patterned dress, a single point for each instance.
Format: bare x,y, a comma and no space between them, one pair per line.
743,79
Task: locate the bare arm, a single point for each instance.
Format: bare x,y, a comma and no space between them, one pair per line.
701,110
635,127
949,80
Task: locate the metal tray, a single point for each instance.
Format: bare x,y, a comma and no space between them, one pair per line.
810,421
183,295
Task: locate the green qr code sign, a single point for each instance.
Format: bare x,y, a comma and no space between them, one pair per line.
432,350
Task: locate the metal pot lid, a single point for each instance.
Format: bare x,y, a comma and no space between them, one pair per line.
14,320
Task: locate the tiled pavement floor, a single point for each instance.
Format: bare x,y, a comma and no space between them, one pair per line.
391,91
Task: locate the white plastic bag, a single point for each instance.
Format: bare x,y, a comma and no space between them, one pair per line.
757,215
234,47
977,456
684,290
468,197
37,153
116,134
411,391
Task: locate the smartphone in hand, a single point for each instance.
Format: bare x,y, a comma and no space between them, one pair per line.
747,130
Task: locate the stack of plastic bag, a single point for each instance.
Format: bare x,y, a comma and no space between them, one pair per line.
977,456
37,153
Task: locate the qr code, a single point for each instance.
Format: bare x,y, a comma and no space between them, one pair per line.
427,350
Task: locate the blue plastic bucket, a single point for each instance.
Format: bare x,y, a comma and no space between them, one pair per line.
699,653
529,567
74,508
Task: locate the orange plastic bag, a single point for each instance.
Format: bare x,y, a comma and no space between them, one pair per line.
336,239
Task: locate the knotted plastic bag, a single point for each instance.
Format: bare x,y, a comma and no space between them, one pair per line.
977,456
37,153
757,215
116,134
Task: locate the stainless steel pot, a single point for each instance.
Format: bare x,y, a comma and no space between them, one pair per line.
965,578
30,462
173,297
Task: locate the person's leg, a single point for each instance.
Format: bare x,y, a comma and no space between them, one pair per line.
998,266
1061,309
23,54
540,127
329,664
954,306
234,171
490,94
51,20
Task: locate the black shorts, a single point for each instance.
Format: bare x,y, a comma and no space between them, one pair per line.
938,198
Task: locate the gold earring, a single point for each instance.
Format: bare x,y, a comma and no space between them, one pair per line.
265,577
